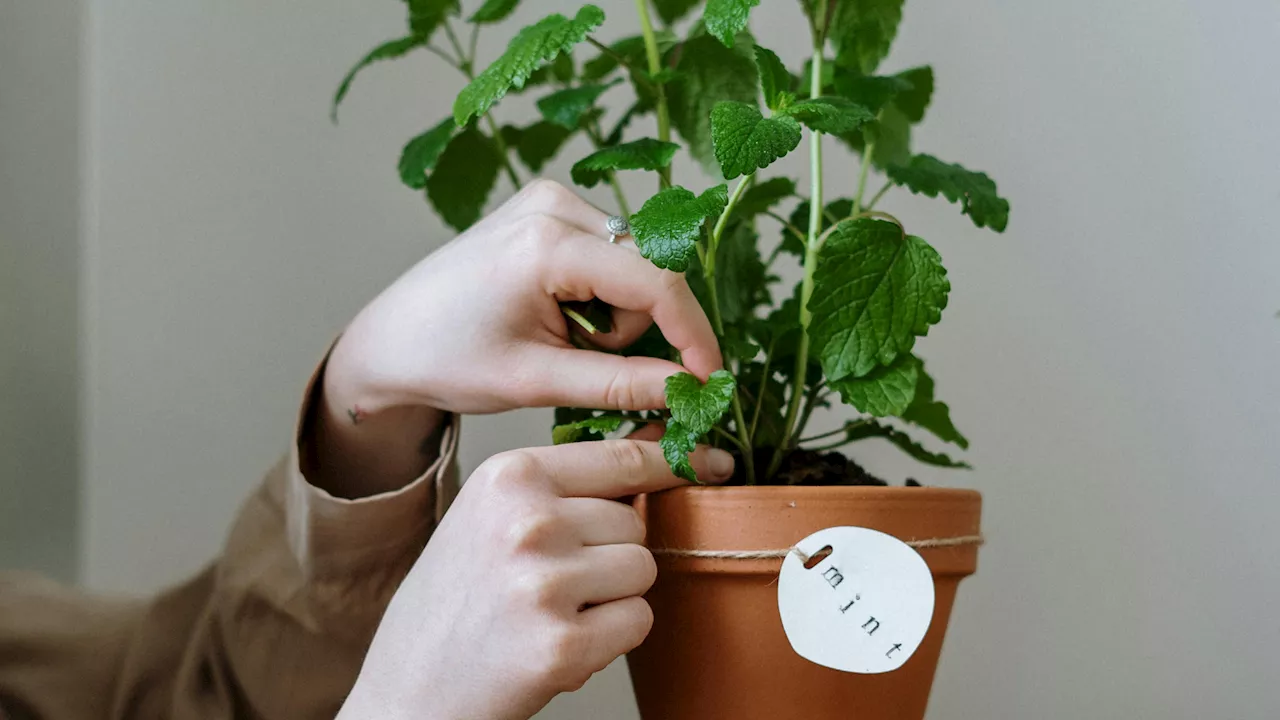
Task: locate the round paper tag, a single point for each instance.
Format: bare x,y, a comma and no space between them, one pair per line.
864,608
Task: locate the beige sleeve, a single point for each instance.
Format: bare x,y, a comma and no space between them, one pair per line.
276,627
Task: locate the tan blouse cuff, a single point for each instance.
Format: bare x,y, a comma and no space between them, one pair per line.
334,534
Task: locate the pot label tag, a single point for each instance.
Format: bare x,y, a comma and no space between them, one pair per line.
864,608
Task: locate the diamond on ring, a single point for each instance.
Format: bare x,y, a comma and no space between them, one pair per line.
618,227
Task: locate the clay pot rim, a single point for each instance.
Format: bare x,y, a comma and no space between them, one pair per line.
895,493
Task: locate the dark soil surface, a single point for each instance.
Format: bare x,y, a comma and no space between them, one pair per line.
805,467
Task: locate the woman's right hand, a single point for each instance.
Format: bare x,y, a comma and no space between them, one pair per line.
531,584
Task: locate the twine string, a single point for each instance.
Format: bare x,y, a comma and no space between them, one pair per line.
924,544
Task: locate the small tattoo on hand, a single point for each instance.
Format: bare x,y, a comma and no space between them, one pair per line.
357,415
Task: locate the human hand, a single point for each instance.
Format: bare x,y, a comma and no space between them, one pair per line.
531,584
476,327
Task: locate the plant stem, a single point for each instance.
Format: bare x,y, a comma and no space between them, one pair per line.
867,151
467,67
593,132
717,321
811,253
764,388
727,436
444,56
822,436
655,66
879,194
810,402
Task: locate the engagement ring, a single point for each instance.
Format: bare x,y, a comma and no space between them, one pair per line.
618,227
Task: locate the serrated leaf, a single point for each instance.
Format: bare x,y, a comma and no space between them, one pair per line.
695,409
862,31
536,144
710,73
864,429
746,141
927,413
667,227
726,18
874,292
762,196
775,80
494,11
567,107
642,154
677,443
833,114
871,91
892,133
975,192
386,51
914,100
672,10
464,176
698,406
425,16
886,390
589,429
420,154
532,47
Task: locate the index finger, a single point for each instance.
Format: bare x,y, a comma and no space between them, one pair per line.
588,266
617,468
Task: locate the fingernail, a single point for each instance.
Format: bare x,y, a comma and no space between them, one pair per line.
720,463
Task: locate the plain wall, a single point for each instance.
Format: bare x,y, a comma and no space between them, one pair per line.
39,285
1112,356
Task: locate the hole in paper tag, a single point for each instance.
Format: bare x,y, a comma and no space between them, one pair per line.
864,608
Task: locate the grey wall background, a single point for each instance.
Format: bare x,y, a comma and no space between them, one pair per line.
39,285
1113,356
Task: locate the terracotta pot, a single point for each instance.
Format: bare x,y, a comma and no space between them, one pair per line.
717,649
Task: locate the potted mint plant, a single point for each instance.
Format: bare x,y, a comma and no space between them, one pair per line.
846,333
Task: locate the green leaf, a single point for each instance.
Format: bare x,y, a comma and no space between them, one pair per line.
590,429
710,73
775,81
667,227
425,16
695,409
726,18
927,413
642,154
746,141
494,11
536,144
464,176
863,30
567,107
762,196
863,429
875,290
532,47
893,137
699,406
871,91
914,100
975,192
677,443
833,115
386,51
420,155
887,390
672,10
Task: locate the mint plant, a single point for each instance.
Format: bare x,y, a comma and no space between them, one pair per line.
869,288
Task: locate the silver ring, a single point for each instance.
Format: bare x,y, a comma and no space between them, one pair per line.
618,227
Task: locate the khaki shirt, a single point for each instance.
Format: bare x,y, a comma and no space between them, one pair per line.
276,627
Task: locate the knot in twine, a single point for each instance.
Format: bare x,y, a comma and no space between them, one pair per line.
925,544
